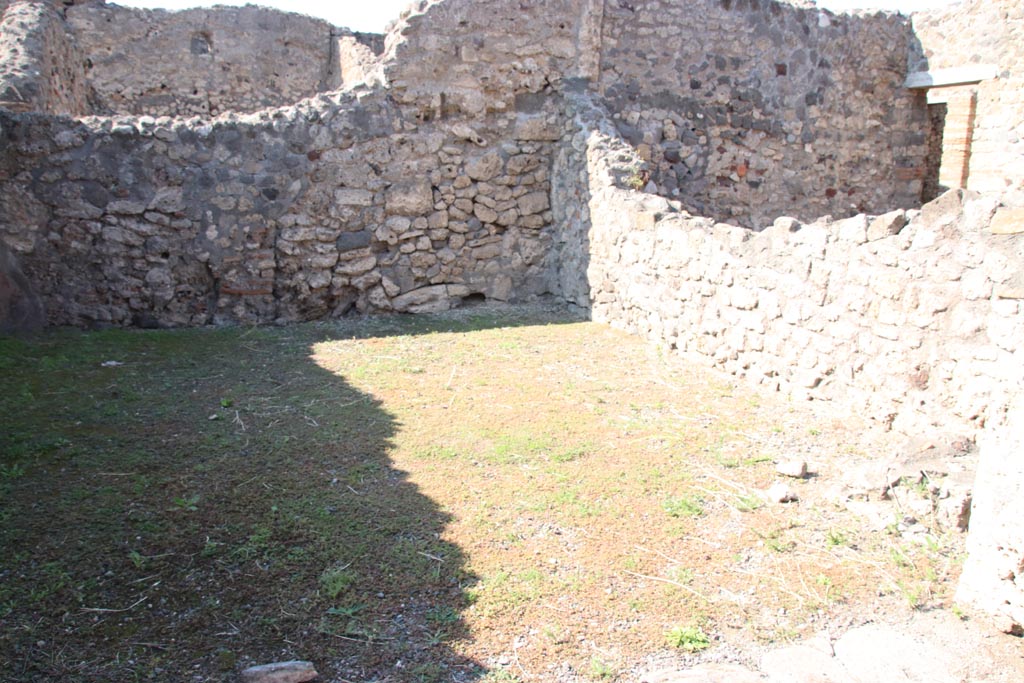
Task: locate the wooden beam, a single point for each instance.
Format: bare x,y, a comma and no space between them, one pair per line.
960,75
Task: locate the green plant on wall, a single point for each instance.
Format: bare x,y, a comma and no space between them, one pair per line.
638,178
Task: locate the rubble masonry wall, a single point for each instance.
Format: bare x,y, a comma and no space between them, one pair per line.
200,62
41,70
749,109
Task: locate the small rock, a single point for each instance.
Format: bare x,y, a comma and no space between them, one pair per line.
792,468
280,672
780,493
1007,221
1007,624
705,673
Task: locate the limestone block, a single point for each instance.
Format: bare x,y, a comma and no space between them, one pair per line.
432,298
280,672
414,198
853,229
887,224
352,197
533,203
535,128
485,167
356,266
1007,221
485,213
705,673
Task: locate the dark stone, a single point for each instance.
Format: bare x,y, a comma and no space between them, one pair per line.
270,193
348,241
694,84
21,310
530,103
95,194
200,44
146,321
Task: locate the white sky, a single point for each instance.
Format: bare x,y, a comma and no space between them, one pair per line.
373,15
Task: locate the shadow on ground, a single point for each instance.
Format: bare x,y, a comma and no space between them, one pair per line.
179,505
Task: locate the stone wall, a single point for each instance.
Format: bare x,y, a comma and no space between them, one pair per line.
40,68
333,205
466,58
912,318
748,109
983,32
200,61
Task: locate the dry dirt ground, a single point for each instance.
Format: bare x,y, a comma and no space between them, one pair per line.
492,494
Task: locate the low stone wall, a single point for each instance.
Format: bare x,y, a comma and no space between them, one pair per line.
40,69
913,318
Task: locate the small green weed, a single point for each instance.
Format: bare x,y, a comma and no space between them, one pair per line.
335,581
747,503
500,676
190,504
689,638
137,559
773,541
12,471
442,615
350,611
900,558
682,575
684,506
835,538
601,670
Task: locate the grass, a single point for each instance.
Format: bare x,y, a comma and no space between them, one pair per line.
684,506
494,485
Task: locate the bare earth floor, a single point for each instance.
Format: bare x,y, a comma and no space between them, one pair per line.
496,494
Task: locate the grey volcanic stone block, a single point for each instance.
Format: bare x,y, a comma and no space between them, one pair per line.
20,307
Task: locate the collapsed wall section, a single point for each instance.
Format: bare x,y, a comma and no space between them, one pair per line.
749,109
